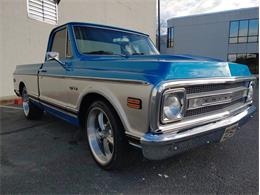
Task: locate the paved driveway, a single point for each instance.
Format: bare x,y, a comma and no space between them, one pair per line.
38,157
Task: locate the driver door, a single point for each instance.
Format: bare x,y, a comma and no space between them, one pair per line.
52,76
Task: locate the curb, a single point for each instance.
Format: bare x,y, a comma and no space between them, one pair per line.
17,101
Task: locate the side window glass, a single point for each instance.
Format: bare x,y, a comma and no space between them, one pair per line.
58,44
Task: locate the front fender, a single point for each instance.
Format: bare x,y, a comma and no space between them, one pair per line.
135,121
110,97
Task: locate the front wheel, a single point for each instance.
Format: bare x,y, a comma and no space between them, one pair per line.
31,112
105,136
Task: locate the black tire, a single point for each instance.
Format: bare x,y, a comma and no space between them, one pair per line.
120,147
31,111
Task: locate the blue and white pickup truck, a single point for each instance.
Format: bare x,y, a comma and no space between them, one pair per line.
115,85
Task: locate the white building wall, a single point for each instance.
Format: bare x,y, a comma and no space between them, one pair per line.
208,34
24,40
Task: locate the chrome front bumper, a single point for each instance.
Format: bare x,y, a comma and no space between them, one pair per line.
161,146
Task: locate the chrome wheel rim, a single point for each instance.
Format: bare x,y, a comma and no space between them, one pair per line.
100,136
25,103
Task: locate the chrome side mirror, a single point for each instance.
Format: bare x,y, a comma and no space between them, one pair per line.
55,56
52,55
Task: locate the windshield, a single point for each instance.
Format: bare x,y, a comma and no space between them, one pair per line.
99,41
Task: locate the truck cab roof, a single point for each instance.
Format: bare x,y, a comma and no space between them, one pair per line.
98,26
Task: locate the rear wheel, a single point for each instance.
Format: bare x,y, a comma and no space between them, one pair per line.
30,110
106,136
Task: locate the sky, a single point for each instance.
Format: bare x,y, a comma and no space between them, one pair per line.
175,8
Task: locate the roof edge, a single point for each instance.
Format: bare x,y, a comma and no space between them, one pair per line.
101,26
211,13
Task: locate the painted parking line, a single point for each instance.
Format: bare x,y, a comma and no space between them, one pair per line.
11,107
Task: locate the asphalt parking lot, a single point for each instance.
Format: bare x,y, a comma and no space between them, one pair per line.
39,157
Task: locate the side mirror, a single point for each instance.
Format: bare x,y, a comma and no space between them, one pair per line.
55,56
52,55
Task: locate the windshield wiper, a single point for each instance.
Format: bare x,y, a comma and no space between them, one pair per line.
101,52
137,54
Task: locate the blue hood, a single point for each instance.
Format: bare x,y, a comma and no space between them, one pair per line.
157,68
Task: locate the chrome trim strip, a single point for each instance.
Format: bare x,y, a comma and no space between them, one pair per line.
216,103
183,107
54,107
41,101
216,92
202,120
33,96
111,28
27,74
230,120
161,146
135,145
204,81
60,110
135,135
92,78
156,95
107,28
166,138
232,93
99,79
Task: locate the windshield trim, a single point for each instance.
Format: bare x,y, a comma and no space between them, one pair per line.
107,28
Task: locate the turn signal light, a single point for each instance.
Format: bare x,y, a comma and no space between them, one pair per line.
134,103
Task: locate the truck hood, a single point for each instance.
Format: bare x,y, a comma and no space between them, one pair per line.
157,68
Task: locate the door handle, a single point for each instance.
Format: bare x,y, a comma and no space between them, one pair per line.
43,70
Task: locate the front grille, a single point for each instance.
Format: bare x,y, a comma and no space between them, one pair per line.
213,87
212,108
238,97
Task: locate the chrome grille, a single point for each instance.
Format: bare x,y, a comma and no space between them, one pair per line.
212,108
213,92
207,111
213,87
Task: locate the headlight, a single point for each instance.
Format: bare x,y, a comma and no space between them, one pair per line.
173,105
250,91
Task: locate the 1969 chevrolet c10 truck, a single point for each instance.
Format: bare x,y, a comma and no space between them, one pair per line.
115,85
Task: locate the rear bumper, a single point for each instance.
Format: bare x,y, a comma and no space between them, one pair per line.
161,146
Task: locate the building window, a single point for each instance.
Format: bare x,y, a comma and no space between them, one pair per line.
243,31
43,10
250,59
253,31
170,33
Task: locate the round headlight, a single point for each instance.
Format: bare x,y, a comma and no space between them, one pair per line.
173,105
250,91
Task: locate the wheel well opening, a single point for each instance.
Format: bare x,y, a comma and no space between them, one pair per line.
87,101
21,86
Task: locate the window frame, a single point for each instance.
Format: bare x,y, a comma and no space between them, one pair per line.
170,37
68,45
248,36
67,39
106,28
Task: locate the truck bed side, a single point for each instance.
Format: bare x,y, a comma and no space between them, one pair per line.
27,75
